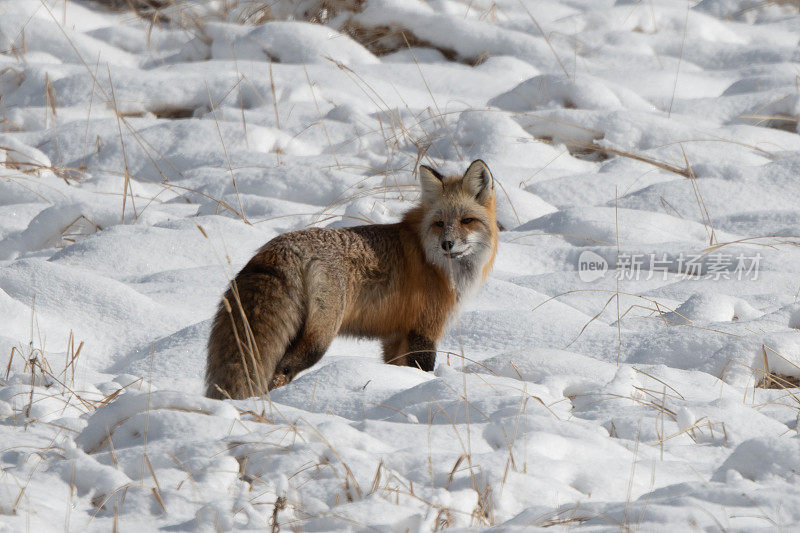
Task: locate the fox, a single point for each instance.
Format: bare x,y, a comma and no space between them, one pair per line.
399,283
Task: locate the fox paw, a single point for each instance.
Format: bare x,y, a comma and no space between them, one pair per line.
278,380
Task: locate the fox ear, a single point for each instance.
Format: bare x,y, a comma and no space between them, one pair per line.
478,181
430,183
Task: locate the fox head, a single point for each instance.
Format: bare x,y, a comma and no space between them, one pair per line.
458,227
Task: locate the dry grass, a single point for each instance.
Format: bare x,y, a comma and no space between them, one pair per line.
151,10
778,122
764,4
383,40
774,380
378,39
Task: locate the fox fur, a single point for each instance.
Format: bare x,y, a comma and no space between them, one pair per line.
399,283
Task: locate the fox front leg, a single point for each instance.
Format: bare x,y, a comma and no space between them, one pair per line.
421,351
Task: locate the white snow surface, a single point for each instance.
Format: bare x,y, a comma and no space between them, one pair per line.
143,161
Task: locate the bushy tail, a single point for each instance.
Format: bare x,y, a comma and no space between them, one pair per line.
259,316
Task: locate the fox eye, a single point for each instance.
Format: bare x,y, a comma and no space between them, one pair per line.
439,224
466,221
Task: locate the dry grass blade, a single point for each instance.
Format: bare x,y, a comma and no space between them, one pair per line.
319,114
157,489
227,157
127,186
279,505
562,517
774,380
349,473
274,97
545,37
680,59
685,172
783,240
454,469
701,203
377,479
433,99
778,381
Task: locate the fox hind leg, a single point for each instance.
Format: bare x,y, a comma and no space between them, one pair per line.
324,315
304,352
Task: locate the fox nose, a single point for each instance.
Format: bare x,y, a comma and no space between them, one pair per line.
447,245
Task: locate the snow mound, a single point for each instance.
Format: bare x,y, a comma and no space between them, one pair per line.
547,91
713,308
291,42
603,225
103,424
762,459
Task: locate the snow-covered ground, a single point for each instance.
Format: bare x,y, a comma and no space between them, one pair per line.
611,374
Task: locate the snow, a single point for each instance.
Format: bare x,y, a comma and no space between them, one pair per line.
611,372
289,42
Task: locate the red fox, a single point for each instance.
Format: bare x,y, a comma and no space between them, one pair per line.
395,282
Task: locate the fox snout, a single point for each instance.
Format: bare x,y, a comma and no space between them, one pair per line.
459,248
454,241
